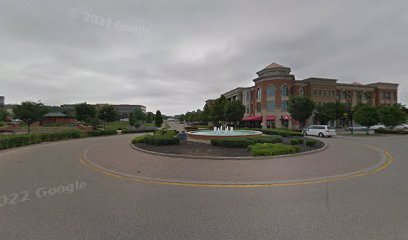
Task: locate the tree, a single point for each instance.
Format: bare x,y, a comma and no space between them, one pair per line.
3,114
158,120
392,115
30,112
149,117
85,111
234,111
329,112
108,113
366,115
301,108
132,119
140,116
218,109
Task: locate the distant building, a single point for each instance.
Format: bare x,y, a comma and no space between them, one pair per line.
57,118
123,109
267,101
1,101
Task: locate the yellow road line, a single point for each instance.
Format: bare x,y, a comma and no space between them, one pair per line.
387,163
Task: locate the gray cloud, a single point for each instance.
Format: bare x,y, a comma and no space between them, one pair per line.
173,55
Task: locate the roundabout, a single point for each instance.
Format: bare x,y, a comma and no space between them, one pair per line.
120,160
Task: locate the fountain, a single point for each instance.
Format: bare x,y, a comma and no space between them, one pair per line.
221,132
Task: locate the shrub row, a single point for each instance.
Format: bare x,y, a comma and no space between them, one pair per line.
311,142
166,132
96,133
139,139
160,140
245,142
140,130
281,132
272,149
11,141
387,131
296,141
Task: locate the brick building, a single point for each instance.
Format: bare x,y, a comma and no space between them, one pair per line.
266,102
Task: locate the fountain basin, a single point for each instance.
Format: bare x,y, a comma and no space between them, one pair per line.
210,134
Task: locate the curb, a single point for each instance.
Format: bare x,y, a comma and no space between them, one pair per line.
386,161
325,146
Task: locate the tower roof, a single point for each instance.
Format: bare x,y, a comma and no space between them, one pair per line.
274,65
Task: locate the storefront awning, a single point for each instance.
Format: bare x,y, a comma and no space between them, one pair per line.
287,117
271,118
253,118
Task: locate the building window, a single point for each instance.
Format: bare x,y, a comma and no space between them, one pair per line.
284,91
247,108
270,91
258,107
258,93
270,106
302,91
284,106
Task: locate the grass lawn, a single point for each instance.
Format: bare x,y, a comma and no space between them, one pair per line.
116,125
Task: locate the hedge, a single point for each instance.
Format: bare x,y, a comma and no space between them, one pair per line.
281,132
11,141
166,132
387,131
311,142
296,141
161,140
96,133
140,130
245,142
272,149
139,139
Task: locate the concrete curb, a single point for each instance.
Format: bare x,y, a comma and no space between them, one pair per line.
325,146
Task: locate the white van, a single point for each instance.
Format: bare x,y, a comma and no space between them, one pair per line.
320,130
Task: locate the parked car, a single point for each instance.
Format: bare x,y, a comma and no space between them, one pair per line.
378,126
403,127
357,128
320,130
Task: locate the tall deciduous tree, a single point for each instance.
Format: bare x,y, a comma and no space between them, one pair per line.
158,120
218,110
85,112
30,112
366,115
329,112
149,117
108,113
301,108
234,111
392,115
140,116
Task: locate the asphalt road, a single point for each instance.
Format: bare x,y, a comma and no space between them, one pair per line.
46,193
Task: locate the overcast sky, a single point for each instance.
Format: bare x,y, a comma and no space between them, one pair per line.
174,55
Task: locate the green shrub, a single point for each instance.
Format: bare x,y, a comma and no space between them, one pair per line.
296,141
139,139
387,131
161,140
272,149
166,132
96,133
281,132
311,142
140,129
245,142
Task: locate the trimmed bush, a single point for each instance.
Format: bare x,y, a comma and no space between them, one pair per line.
311,142
161,140
97,133
272,149
139,139
232,142
166,132
296,141
245,142
281,132
12,141
140,130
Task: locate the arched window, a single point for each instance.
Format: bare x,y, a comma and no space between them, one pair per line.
270,91
302,91
284,91
258,93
